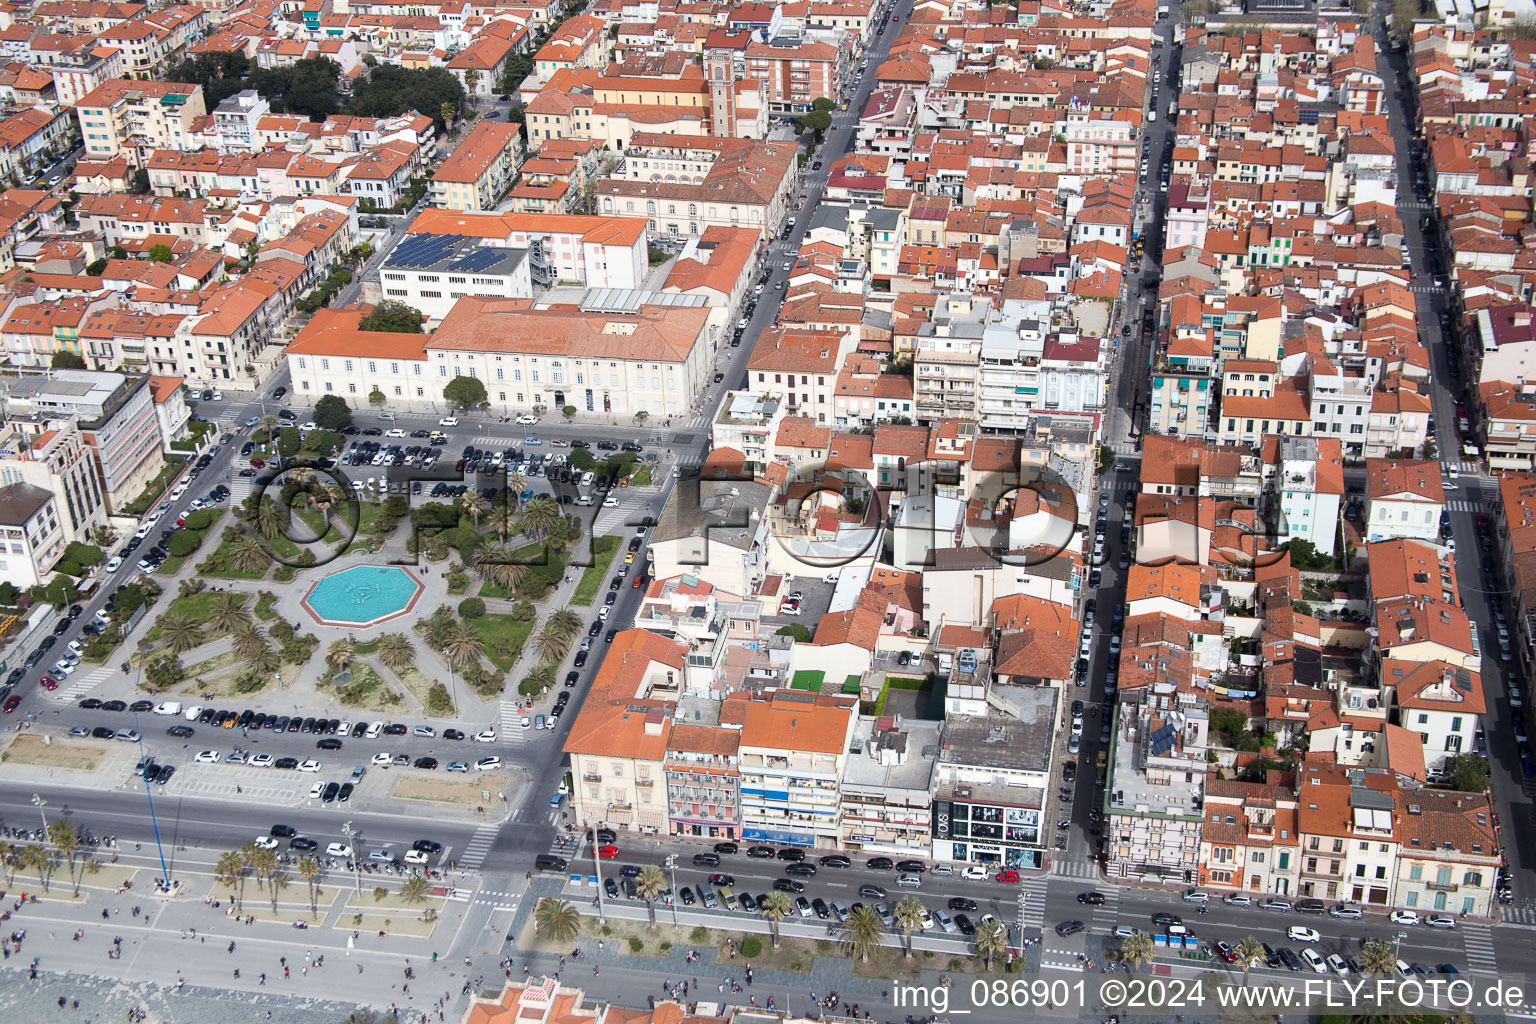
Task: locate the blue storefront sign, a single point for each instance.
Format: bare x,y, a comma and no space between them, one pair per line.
762,835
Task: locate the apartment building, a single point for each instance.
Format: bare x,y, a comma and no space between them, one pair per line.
133,118
480,169
793,748
34,539
993,779
793,73
704,781
115,415
886,797
618,741
1307,478
1156,790
54,456
801,366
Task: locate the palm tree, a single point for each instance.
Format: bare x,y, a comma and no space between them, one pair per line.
276,884
264,660
340,653
775,907
1137,949
991,942
269,424
908,914
556,920
309,870
504,518
438,627
181,633
565,623
500,565
40,860
267,517
247,856
1376,957
10,861
651,884
463,645
264,865
396,651
415,890
866,932
474,505
539,517
250,555
247,639
1250,951
229,612
67,841
229,870
547,645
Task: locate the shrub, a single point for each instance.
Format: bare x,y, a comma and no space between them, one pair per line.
379,892
635,945
183,543
751,947
471,608
529,687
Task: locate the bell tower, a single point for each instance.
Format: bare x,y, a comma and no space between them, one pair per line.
722,94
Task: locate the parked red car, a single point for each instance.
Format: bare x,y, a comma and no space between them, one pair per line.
1008,875
11,703
607,851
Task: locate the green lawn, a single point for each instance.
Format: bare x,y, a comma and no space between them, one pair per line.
285,548
264,607
507,629
494,590
641,477
603,550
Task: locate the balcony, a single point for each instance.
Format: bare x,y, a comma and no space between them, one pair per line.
1441,886
591,777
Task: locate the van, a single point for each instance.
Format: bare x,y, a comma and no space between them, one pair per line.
727,898
548,862
1151,115
1179,929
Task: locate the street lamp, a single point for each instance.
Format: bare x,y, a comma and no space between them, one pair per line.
597,870
40,803
672,870
350,831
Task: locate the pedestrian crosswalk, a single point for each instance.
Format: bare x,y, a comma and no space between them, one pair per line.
1462,466
1465,505
1524,914
1075,869
499,900
479,845
621,517
83,683
1478,939
1034,888
511,725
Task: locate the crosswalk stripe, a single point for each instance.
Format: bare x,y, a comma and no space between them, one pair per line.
82,684
478,846
1481,954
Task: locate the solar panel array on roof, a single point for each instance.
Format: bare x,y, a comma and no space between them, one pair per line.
423,250
1161,741
476,260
